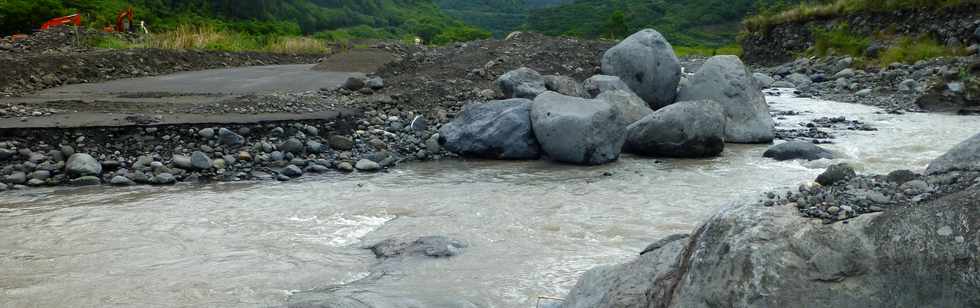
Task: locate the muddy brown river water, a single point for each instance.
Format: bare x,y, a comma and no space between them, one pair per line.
532,227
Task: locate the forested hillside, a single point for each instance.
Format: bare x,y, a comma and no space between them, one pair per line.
498,16
374,17
684,22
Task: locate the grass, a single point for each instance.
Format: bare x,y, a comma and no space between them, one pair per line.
686,51
910,50
839,40
210,38
807,11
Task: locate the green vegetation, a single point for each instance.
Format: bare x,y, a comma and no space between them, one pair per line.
705,24
498,16
812,10
685,51
839,40
209,38
270,19
910,50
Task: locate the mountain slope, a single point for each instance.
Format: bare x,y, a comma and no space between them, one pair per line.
685,23
498,16
419,17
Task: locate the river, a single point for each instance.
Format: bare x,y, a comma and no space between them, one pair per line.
532,227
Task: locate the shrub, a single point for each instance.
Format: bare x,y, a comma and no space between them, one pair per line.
910,50
839,40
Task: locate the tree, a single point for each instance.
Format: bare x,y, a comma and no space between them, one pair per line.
616,26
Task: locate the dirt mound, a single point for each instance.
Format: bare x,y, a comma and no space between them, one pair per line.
59,39
458,73
358,60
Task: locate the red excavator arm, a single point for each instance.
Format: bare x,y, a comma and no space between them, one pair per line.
121,18
74,19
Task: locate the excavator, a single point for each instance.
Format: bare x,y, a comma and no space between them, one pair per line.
121,22
73,19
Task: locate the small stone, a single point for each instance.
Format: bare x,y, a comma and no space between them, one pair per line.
206,133
292,171
340,143
87,180
244,156
121,181
163,179
80,164
219,163
367,165
200,161
229,138
345,167
16,178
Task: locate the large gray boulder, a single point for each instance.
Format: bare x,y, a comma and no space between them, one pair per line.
964,156
725,79
797,150
81,164
564,85
646,62
577,130
632,106
498,130
750,255
685,129
597,84
521,83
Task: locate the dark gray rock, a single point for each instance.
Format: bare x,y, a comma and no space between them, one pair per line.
564,85
16,178
597,84
900,177
724,79
340,143
521,83
965,156
314,147
783,84
354,83
629,104
684,129
664,241
163,179
497,130
6,154
646,62
577,130
427,246
763,80
87,180
797,150
200,161
292,171
121,181
835,174
230,138
292,145
81,164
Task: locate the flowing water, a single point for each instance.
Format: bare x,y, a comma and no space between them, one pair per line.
532,227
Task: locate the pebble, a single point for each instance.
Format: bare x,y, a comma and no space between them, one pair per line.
367,165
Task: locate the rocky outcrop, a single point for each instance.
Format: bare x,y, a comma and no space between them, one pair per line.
685,129
646,62
797,150
498,130
632,106
964,156
724,79
779,43
577,130
521,83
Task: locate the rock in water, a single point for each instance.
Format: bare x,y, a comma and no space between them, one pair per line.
835,174
498,130
521,83
577,130
964,156
367,165
797,150
685,129
428,246
632,106
564,85
646,62
292,171
750,255
763,80
597,84
725,79
81,164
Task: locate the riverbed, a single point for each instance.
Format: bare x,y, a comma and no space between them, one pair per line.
532,227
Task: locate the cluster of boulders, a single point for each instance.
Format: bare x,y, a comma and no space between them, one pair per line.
899,240
641,104
162,155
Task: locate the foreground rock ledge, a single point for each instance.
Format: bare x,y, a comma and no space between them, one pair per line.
749,255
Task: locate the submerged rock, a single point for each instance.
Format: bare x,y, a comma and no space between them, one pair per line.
797,150
724,79
646,62
498,130
427,246
577,130
685,129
